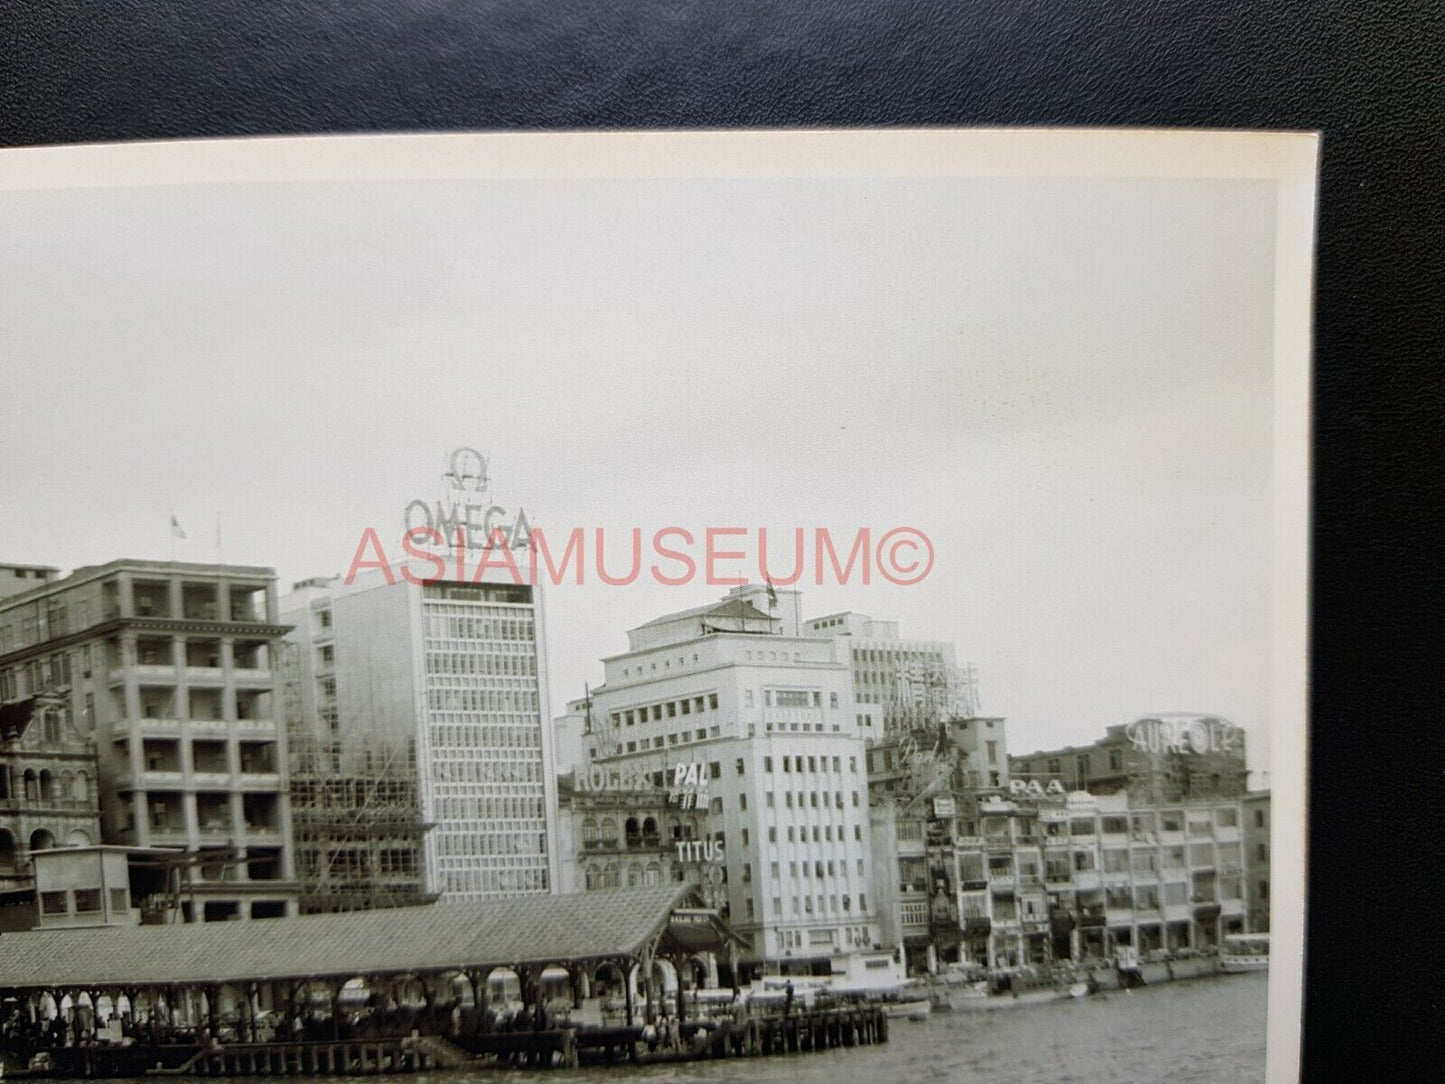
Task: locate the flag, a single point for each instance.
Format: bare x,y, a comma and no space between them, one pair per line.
176,531
772,595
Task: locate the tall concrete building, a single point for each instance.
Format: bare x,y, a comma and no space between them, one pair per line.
735,706
432,693
898,683
169,669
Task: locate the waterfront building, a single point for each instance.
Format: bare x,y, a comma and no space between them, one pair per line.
169,668
48,792
1256,858
1165,757
736,706
427,700
1031,871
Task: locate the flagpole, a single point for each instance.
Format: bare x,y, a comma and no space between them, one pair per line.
171,530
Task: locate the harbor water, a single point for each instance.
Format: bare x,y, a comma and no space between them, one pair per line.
1206,1031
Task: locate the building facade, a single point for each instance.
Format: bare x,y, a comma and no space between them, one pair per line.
738,702
898,683
169,668
433,694
1032,872
48,785
1256,858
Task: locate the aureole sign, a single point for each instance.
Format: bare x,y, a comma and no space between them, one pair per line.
1177,736
463,508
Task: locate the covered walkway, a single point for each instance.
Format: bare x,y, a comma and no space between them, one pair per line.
365,974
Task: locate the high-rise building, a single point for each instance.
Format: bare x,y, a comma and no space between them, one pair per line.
170,669
736,707
898,683
428,698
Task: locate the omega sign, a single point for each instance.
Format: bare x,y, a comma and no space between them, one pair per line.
463,508
1185,736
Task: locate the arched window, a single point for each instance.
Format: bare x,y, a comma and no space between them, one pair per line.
32,785
82,787
589,829
609,875
654,874
67,786
609,830
41,840
634,875
594,877
8,850
47,785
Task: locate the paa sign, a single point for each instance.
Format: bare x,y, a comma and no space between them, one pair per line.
463,508
1032,788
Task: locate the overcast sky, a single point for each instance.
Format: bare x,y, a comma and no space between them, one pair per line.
1066,384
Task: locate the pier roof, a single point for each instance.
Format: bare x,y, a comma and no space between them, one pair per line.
533,930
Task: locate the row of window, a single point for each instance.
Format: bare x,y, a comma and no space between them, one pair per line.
825,904
524,839
683,737
669,709
487,736
493,701
474,625
87,901
471,664
490,808
800,764
496,882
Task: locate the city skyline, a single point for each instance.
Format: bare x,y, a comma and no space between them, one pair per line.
1068,387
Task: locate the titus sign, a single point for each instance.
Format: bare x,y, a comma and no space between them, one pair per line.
461,515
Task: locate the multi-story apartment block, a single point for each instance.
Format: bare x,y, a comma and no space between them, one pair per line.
169,668
433,694
1256,858
736,702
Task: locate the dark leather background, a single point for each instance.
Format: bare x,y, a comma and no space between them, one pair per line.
1368,74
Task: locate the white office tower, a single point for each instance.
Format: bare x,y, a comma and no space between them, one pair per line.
441,684
767,716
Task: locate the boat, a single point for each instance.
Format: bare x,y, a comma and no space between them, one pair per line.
1012,990
907,1000
1244,952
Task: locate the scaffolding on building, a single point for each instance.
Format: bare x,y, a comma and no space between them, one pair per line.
357,825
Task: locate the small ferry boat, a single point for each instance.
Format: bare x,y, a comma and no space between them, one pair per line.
1244,952
1011,990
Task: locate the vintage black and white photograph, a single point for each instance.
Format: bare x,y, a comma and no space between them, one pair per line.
687,607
